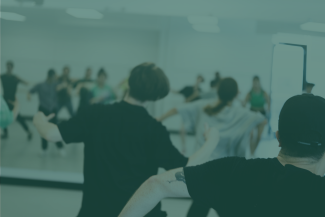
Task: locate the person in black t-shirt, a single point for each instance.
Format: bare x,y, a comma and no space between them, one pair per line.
64,91
47,95
124,145
10,83
293,184
84,87
192,93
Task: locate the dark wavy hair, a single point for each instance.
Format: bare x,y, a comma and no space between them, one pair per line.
227,91
148,82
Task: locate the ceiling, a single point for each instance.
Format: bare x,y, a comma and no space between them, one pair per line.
235,16
265,10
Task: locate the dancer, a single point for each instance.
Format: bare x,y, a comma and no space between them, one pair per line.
235,123
290,185
65,91
47,94
192,93
10,82
212,94
257,97
83,89
124,145
6,115
102,92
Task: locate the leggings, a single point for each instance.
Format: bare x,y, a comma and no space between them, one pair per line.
19,118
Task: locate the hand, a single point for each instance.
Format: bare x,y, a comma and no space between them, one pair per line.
211,134
41,118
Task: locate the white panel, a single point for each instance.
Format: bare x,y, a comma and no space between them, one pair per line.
287,77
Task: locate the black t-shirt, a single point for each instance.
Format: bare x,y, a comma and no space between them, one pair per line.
188,91
256,188
124,146
63,94
9,83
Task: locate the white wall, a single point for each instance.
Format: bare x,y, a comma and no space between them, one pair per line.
182,52
36,48
238,54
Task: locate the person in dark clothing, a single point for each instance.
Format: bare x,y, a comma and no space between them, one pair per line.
47,94
124,145
293,184
64,91
192,93
10,82
84,87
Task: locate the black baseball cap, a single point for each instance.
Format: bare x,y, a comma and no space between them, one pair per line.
302,120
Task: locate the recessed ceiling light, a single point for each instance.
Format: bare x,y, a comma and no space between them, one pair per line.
84,13
202,19
206,28
316,27
12,16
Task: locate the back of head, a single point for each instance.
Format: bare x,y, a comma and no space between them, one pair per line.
302,127
227,91
101,72
148,82
51,74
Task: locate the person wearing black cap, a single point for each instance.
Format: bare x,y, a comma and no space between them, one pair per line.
291,185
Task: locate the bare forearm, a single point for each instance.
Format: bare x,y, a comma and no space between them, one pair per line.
170,113
203,154
48,131
144,199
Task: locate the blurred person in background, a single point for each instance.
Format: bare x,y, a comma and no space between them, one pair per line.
258,99
309,88
212,93
234,123
6,115
102,92
65,91
84,90
290,185
124,145
123,87
10,83
192,93
47,95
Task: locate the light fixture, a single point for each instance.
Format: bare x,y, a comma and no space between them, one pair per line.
12,16
202,20
315,27
84,13
204,23
206,28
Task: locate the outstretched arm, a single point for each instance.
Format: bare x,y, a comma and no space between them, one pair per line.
246,100
168,184
170,113
204,153
47,130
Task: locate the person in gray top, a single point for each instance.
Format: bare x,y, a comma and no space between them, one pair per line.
47,94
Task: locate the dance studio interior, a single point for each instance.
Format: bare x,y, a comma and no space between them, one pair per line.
58,57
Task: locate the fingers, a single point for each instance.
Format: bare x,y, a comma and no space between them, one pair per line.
50,116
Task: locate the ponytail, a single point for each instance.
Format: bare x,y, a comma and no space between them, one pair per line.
212,110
